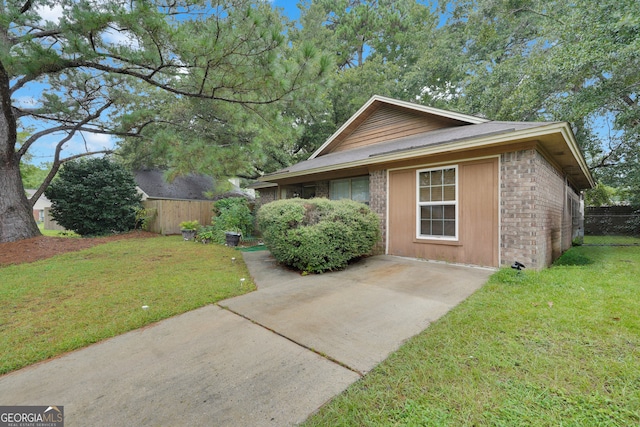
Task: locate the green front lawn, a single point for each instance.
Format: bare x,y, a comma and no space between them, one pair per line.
559,347
63,303
56,233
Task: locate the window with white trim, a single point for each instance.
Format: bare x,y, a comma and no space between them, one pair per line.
438,203
351,188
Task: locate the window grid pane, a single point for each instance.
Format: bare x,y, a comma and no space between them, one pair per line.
437,200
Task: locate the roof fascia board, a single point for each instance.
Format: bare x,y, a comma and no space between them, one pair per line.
530,133
142,192
568,136
409,105
474,120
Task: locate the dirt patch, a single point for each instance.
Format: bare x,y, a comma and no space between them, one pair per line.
42,247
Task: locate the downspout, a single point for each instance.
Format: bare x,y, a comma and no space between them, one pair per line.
564,212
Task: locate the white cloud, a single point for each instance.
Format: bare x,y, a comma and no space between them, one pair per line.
87,142
25,102
120,38
53,14
110,36
447,91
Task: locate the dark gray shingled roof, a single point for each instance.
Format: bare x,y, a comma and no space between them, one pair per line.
187,187
433,138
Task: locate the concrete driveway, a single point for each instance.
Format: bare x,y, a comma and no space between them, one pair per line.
269,358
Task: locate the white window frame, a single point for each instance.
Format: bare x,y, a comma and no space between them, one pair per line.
420,204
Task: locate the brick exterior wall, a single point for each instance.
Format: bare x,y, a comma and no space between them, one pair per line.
554,212
517,202
266,195
322,189
378,204
536,205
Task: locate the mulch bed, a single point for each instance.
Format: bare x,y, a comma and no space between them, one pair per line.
42,247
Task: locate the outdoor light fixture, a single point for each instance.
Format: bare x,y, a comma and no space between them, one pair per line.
518,266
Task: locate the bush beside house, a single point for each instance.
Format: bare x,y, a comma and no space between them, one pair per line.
318,235
231,215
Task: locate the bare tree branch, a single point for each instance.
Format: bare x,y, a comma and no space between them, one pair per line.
528,9
35,35
57,162
25,7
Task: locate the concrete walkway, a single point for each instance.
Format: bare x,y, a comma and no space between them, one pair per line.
268,358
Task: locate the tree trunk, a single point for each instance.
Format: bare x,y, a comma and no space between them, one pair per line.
16,215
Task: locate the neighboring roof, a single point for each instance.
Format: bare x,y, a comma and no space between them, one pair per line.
376,102
188,187
556,140
42,201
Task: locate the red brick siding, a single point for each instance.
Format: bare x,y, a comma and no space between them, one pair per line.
550,210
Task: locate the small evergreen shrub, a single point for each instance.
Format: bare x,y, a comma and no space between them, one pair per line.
94,196
318,235
231,214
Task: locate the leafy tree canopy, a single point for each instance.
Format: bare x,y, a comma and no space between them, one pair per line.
575,61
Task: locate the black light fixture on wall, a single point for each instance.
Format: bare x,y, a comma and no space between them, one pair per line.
518,266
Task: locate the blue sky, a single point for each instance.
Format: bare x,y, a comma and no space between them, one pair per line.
290,8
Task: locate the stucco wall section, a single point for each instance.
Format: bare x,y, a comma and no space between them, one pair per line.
378,204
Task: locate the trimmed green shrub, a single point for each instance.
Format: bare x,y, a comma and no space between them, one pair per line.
231,214
94,196
318,235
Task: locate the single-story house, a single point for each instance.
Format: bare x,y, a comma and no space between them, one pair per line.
450,186
41,204
184,198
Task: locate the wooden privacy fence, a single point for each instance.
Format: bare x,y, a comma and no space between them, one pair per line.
49,223
166,215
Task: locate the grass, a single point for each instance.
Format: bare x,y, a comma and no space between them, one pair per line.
56,233
558,347
53,306
608,240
